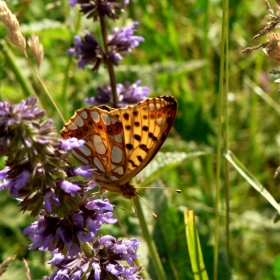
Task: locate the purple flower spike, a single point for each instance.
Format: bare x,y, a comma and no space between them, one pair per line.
87,51
94,8
104,263
127,94
122,41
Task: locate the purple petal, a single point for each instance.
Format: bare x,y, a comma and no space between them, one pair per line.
71,143
78,220
69,187
85,236
97,270
116,269
100,204
4,173
85,171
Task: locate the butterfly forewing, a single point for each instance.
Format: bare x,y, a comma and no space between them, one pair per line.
121,142
146,126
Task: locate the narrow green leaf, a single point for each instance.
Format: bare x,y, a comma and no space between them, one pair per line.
251,179
198,266
276,267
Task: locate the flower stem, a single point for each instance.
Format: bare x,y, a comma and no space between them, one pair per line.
108,62
68,69
11,62
151,245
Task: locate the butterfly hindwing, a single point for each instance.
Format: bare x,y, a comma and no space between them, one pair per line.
104,147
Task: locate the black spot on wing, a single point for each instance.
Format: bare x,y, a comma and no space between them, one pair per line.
144,148
137,137
126,116
129,146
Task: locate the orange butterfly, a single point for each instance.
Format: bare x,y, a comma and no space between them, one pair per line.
121,142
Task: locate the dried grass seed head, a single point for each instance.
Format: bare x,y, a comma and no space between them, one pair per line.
36,48
10,20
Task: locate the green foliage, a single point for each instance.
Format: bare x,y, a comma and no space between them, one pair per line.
276,267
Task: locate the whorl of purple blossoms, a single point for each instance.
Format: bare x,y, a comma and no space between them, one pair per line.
94,8
127,94
51,232
121,41
13,119
36,158
105,262
88,51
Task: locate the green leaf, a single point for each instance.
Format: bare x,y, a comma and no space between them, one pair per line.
198,266
162,163
251,179
276,267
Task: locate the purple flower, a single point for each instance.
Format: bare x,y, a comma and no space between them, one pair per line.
78,220
100,205
36,164
71,143
84,171
13,114
72,3
14,118
95,8
50,198
127,94
104,263
69,187
52,232
14,184
87,51
4,173
122,41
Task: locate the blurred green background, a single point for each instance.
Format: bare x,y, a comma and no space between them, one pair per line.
180,57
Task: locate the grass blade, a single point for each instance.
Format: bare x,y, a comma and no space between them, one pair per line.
198,266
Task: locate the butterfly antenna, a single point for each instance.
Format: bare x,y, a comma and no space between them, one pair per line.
153,213
125,210
168,189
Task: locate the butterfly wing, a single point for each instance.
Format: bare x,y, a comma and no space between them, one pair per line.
104,148
146,126
121,142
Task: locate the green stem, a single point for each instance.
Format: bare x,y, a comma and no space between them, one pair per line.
151,245
227,167
219,136
108,62
23,81
67,71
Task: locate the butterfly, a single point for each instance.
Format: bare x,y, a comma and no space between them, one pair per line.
121,142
